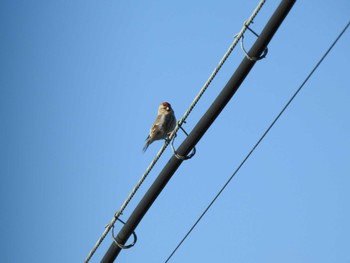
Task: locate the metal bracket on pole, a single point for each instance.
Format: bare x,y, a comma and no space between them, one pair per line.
180,157
121,245
263,55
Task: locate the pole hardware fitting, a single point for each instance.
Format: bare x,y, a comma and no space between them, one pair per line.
121,245
264,53
180,157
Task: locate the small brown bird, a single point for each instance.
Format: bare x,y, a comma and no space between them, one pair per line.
163,125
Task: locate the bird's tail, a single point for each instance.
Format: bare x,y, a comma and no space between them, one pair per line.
148,142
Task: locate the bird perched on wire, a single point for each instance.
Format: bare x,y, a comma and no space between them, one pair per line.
163,125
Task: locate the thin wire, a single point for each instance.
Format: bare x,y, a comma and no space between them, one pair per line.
259,141
183,119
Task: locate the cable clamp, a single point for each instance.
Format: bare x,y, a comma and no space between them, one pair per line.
263,55
178,156
115,239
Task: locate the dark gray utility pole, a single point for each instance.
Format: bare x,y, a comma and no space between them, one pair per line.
200,128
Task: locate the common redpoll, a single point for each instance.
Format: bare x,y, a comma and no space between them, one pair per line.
163,125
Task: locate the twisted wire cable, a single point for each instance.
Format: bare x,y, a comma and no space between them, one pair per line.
182,120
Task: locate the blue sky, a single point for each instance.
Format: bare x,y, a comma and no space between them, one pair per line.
80,85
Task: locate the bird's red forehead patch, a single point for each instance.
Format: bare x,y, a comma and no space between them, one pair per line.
166,104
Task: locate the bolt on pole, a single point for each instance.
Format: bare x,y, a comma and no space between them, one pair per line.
201,127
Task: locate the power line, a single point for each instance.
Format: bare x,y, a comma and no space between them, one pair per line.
199,130
182,120
259,141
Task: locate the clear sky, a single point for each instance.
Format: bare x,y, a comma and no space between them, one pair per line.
80,85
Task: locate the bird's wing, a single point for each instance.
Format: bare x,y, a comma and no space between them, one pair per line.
154,129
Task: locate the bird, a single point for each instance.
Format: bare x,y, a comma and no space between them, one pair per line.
163,125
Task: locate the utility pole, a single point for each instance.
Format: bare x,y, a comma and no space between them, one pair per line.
201,127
